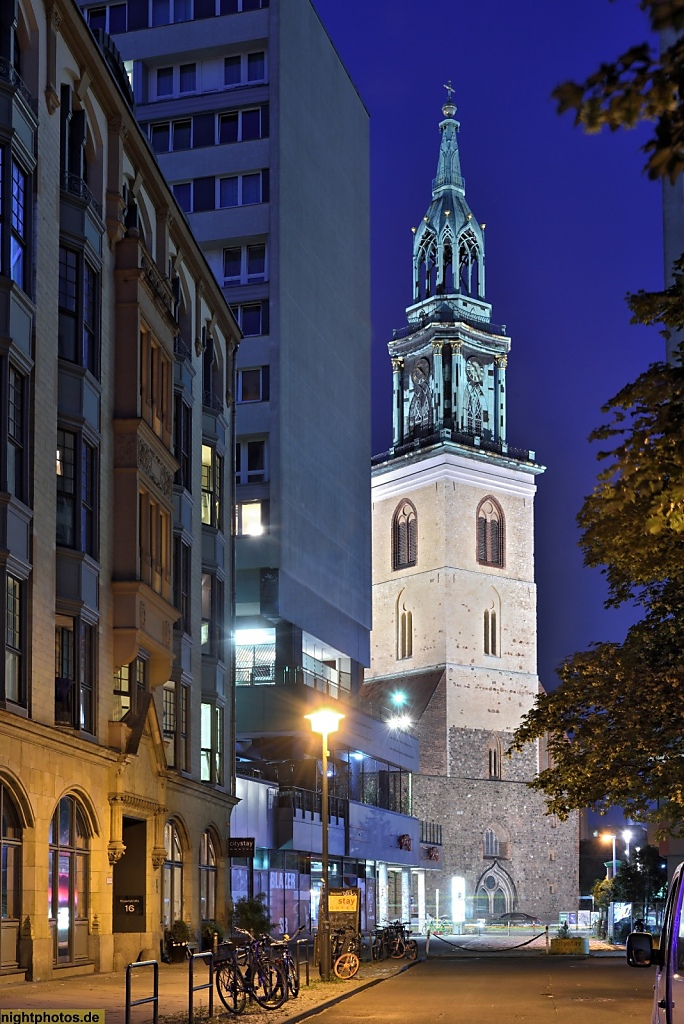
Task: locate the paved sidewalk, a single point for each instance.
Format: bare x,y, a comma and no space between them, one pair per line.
107,992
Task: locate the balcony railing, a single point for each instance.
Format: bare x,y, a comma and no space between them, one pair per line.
307,800
8,74
431,832
76,186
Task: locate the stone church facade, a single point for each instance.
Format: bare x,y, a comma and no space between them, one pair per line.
454,598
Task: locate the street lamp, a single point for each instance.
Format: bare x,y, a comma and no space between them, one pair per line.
324,721
627,835
608,837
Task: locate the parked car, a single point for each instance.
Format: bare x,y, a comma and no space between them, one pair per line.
518,917
667,957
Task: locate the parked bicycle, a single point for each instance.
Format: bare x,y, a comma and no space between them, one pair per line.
247,970
345,949
393,940
285,960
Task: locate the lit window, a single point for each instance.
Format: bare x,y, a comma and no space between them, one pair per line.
249,519
212,474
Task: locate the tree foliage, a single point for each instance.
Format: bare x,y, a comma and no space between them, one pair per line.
615,724
641,880
639,85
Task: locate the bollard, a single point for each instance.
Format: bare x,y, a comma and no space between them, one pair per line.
427,944
154,998
208,958
547,939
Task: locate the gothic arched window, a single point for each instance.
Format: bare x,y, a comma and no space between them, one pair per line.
494,757
404,536
490,533
491,621
473,413
491,843
404,620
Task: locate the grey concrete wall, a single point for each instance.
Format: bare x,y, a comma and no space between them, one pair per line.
320,242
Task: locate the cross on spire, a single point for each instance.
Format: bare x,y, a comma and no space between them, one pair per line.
449,89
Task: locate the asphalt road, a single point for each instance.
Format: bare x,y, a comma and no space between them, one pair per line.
544,990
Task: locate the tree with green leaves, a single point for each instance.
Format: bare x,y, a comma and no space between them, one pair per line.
641,881
615,725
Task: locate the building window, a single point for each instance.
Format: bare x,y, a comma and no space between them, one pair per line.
79,316
14,227
494,758
243,125
75,669
252,318
208,877
250,462
16,435
130,686
211,744
212,481
244,68
243,189
15,640
235,6
253,385
171,135
76,471
172,876
154,544
110,19
250,518
490,624
68,882
212,639
404,619
491,529
166,12
155,385
10,879
164,82
175,724
183,442
491,843
244,264
182,585
404,536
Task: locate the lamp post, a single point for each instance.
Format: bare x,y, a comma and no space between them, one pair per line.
627,836
324,721
608,837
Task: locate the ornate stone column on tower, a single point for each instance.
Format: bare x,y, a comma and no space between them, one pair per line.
454,598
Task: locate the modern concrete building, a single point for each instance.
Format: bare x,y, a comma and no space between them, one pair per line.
454,599
264,139
116,367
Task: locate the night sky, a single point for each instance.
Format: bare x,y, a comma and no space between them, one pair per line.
573,224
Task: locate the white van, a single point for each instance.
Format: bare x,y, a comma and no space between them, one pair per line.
668,958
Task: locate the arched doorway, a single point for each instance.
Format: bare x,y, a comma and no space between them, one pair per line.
68,881
10,864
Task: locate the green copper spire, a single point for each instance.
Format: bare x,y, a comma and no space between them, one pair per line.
448,248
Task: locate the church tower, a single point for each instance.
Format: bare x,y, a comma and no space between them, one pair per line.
454,600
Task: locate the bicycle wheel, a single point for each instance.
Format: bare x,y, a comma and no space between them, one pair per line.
411,949
230,986
346,965
269,986
397,948
290,968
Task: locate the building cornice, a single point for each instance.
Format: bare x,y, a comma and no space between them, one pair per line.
394,478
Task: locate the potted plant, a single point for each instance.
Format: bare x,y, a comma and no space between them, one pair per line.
209,929
177,938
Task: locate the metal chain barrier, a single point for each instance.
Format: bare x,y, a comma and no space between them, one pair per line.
483,949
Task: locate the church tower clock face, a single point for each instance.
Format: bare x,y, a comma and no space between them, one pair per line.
474,371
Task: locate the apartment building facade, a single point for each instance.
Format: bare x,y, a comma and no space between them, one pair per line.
117,351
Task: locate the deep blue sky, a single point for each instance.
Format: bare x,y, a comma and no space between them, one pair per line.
573,224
